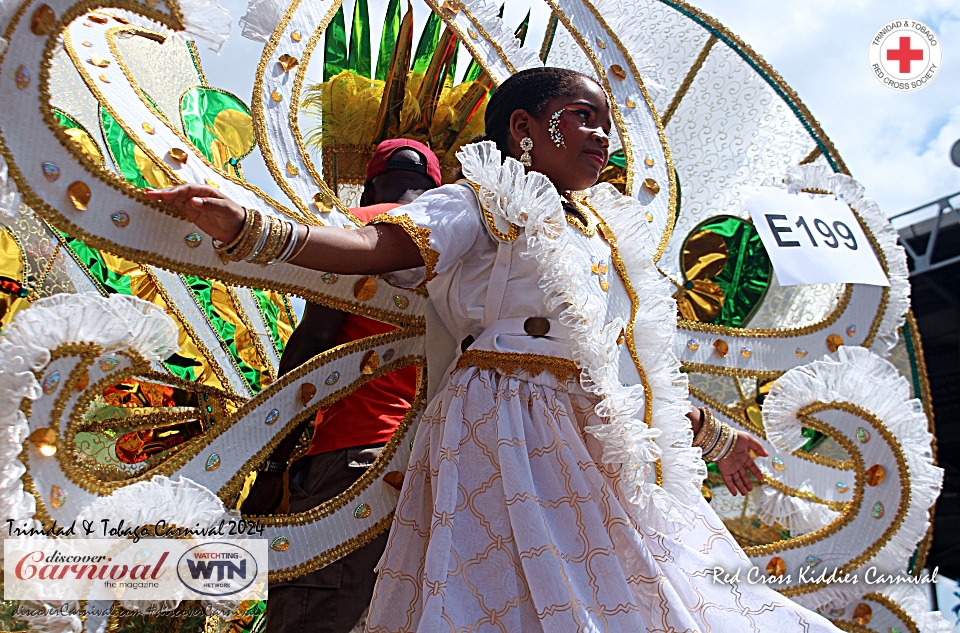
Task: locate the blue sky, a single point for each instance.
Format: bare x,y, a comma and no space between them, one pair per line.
897,145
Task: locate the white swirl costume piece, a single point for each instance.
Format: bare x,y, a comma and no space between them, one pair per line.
517,512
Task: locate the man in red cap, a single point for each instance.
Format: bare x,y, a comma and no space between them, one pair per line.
349,434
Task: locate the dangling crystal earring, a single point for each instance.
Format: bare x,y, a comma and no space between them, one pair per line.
554,129
526,144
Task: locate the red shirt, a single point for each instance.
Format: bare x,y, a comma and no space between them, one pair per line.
373,412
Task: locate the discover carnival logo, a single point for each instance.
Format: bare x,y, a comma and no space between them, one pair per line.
905,55
120,569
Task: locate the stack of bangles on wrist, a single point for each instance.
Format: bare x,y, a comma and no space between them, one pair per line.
263,240
716,439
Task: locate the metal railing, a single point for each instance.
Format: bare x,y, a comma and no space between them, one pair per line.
927,220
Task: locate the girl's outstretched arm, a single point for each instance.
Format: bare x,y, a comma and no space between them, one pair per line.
371,250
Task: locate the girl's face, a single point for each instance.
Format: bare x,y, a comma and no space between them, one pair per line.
583,128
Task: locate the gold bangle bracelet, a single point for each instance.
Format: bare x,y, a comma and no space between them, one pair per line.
272,244
246,245
725,431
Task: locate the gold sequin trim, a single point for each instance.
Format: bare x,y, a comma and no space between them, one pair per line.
562,369
420,236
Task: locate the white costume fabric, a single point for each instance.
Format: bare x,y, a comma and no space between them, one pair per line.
529,503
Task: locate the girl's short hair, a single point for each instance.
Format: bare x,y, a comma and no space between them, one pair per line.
528,90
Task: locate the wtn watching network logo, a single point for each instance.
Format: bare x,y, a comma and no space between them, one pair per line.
217,569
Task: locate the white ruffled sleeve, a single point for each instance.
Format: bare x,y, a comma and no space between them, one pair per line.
444,223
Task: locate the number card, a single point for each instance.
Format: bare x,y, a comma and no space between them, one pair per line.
813,239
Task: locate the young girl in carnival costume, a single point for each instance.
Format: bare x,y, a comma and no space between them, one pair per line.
555,478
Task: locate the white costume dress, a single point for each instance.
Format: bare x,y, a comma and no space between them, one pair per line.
530,502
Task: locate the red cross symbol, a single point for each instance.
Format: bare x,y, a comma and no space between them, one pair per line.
905,54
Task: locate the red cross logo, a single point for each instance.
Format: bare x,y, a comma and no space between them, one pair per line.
905,54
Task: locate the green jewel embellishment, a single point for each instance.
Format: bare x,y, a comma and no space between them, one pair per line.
280,544
193,240
362,511
213,462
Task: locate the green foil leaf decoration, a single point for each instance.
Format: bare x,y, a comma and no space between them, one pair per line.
427,44
335,58
218,124
745,278
359,61
388,39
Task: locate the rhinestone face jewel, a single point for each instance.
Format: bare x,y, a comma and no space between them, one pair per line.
213,462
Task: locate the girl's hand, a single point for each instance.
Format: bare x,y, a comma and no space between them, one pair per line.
214,213
738,461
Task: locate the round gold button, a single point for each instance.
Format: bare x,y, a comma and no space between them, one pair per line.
536,326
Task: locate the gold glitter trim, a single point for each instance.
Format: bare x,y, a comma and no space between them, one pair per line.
805,415
509,362
511,235
688,80
420,236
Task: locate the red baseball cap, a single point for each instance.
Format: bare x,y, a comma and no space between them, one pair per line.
430,165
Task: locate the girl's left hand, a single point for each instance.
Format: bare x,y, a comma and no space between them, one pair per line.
213,212
739,461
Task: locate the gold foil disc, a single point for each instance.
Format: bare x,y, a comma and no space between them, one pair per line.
178,154
80,195
288,62
307,392
617,71
834,341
